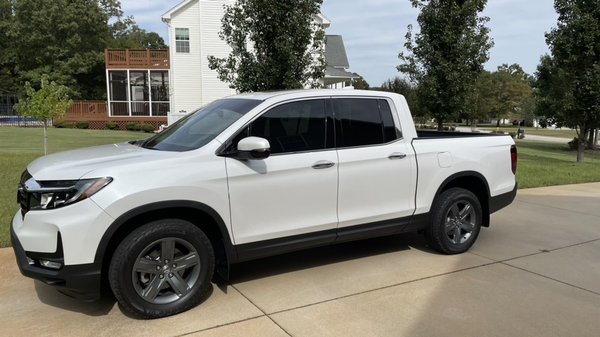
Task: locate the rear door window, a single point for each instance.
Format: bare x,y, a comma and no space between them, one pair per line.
363,121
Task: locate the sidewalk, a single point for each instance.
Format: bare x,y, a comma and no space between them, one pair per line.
534,272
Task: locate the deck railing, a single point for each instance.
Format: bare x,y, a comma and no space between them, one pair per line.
137,58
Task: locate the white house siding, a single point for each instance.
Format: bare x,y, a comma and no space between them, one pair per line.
211,12
192,83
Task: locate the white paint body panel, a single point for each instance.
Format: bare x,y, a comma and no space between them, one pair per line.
374,187
282,196
262,199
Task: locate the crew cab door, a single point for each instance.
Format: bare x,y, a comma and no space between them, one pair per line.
294,190
377,167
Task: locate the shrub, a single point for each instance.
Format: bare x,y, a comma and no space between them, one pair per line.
498,132
132,126
146,127
112,126
83,125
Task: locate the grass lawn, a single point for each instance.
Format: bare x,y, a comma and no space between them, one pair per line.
536,131
19,146
540,164
547,164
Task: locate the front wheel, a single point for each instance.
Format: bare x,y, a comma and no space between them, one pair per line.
455,222
162,268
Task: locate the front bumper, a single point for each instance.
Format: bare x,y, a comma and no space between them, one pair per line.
81,281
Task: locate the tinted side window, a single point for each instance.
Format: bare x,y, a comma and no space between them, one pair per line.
390,132
359,121
291,127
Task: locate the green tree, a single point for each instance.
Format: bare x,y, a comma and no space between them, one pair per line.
410,92
480,100
7,51
360,83
447,55
509,89
64,39
49,102
136,37
273,45
569,79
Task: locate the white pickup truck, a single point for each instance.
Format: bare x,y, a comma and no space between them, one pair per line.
246,177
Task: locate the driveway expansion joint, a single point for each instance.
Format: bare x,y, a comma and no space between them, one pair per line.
551,278
261,310
385,287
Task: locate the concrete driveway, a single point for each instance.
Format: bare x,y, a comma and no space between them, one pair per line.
535,272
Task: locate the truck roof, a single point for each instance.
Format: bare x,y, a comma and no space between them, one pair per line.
312,93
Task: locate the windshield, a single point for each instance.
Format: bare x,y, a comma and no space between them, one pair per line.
201,126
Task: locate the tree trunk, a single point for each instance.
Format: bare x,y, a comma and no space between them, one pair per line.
45,137
580,148
440,125
498,123
591,142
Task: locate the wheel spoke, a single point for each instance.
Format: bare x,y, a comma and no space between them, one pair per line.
467,226
167,249
146,265
187,261
150,292
457,235
449,227
178,284
455,211
466,211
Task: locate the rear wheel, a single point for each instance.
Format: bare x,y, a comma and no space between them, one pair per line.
162,268
456,221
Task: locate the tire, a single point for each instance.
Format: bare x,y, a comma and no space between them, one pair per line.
162,268
455,222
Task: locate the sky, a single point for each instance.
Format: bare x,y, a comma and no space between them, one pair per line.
374,30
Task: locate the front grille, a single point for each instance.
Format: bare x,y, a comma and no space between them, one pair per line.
22,195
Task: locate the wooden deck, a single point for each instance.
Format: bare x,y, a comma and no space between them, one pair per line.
96,113
137,58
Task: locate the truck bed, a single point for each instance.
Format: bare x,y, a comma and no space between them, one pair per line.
429,134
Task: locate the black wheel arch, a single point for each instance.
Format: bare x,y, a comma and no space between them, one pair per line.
472,181
201,215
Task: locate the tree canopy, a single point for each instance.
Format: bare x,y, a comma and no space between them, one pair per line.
64,39
447,55
500,94
569,79
274,45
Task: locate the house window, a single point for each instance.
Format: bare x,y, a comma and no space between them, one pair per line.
182,40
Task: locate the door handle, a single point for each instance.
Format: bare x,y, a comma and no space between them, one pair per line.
322,164
397,155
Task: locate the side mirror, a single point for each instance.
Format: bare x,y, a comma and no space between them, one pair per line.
253,148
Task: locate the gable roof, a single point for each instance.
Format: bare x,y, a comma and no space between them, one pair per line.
167,15
335,52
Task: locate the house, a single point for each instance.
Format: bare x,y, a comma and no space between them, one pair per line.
194,27
337,75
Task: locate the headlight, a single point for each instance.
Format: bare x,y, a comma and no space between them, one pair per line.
55,194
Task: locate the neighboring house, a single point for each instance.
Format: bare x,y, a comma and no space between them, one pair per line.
194,27
336,73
